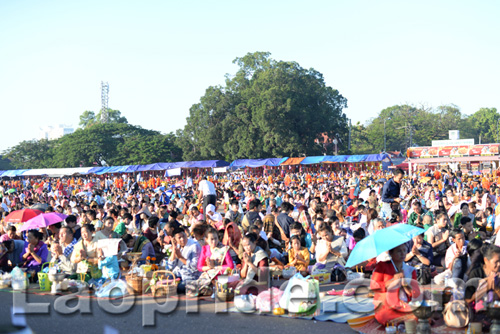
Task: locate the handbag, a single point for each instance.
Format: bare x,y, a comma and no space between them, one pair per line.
456,314
339,274
424,276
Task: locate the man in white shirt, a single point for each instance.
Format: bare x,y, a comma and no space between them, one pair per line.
207,191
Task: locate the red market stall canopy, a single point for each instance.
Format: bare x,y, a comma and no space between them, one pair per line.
453,151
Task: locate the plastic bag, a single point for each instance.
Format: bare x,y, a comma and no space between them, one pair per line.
301,295
113,289
17,274
110,267
245,303
267,299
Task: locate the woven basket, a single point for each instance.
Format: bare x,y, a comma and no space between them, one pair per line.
166,283
135,282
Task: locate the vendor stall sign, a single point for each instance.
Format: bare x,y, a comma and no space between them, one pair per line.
454,151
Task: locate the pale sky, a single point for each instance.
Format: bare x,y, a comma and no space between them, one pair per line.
160,56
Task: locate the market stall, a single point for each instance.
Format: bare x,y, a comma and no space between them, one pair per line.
474,158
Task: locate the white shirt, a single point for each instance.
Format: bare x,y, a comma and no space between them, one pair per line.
207,188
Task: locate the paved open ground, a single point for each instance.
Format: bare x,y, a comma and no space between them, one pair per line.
178,321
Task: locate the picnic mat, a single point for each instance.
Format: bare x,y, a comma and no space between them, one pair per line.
333,308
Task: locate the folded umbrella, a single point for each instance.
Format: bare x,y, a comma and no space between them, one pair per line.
40,206
43,220
21,216
382,241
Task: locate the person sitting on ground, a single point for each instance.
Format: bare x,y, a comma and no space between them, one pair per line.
468,229
437,236
184,258
61,253
392,289
234,214
329,250
35,252
232,237
252,214
214,260
199,234
12,258
84,253
420,252
483,285
139,244
152,232
254,259
356,237
10,234
298,256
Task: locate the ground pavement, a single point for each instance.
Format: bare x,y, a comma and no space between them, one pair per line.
178,321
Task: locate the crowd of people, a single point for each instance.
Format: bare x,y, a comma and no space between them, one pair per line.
200,227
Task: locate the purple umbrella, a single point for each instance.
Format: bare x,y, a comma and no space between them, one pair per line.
43,220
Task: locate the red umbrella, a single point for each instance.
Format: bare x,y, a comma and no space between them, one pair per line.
21,216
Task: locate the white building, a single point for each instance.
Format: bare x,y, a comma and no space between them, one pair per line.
54,132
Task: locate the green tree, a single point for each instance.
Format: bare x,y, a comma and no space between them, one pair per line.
425,125
268,108
482,126
5,163
31,154
89,118
360,143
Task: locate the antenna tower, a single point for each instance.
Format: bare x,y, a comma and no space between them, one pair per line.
104,102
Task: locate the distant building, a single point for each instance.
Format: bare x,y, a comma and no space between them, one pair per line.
54,132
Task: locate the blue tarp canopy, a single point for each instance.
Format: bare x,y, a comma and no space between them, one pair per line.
313,160
14,173
335,158
378,157
1,172
254,163
357,158
206,164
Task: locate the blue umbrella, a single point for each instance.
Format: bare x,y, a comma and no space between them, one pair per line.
383,180
382,241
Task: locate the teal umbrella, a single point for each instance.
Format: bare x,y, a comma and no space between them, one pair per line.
382,241
11,190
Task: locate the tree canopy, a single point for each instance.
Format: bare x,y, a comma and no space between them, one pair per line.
109,143
89,118
425,124
269,108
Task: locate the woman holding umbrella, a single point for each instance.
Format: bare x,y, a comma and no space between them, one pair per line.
394,284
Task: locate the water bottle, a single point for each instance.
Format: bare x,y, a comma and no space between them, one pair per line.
446,278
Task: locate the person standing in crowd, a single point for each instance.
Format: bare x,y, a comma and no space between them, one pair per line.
391,192
208,193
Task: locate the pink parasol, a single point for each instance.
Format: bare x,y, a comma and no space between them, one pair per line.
43,220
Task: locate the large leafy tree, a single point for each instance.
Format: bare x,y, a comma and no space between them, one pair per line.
109,143
424,125
89,118
483,126
31,154
268,108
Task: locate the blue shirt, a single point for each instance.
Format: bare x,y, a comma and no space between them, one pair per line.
390,191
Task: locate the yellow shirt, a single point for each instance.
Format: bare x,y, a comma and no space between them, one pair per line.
301,265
